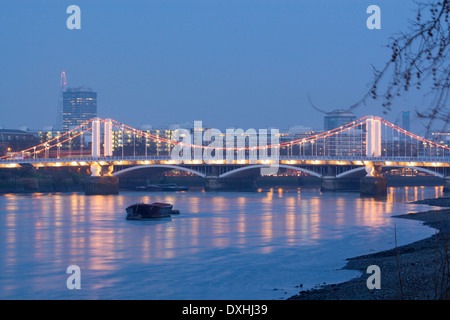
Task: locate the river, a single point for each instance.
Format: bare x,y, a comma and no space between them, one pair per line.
223,245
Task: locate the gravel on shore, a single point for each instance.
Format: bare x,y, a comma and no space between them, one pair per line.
410,272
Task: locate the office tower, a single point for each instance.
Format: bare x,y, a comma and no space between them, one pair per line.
337,118
405,120
343,144
79,106
401,121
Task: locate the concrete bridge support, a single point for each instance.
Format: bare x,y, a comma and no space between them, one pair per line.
329,181
230,184
101,185
328,184
447,184
373,186
97,184
331,184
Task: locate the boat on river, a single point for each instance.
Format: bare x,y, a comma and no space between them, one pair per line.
139,211
162,187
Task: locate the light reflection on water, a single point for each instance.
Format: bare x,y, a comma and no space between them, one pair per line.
223,245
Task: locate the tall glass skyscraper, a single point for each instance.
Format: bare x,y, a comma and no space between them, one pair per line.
79,106
405,120
337,118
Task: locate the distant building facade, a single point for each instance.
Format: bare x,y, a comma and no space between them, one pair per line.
337,118
15,140
348,143
405,120
79,106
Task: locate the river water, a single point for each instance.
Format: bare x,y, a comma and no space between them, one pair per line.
223,245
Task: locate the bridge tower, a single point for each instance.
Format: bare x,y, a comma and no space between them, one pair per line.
96,138
98,183
373,137
107,143
373,184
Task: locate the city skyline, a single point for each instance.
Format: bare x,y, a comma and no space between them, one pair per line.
235,64
67,120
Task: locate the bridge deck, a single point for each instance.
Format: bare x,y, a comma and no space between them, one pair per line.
293,160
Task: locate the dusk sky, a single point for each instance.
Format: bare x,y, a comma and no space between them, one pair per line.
244,63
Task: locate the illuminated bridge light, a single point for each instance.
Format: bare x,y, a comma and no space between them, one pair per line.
339,146
217,162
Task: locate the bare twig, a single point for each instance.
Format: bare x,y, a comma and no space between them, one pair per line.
398,263
419,58
435,266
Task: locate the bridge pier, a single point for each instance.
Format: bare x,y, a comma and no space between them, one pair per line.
373,186
447,184
102,185
328,184
332,184
97,184
329,181
230,184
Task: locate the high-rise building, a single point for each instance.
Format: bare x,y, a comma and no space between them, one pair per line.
79,106
345,143
337,118
59,111
405,120
402,121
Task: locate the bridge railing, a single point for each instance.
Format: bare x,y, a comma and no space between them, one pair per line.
78,160
84,159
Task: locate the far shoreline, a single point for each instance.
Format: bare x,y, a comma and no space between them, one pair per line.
408,272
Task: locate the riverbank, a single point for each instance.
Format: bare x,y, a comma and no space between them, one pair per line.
29,180
54,179
410,272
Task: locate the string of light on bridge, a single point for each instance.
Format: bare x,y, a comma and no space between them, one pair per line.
338,135
46,145
412,135
315,137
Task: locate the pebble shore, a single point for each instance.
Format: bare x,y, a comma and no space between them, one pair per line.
409,272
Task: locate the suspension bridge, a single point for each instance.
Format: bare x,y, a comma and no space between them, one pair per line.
364,148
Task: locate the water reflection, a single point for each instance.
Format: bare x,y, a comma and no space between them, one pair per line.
42,234
410,194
